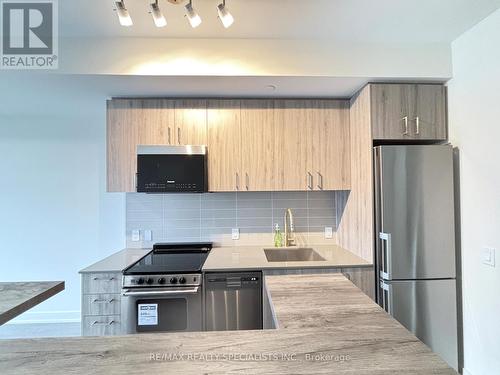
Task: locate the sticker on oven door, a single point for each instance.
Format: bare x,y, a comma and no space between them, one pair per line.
147,314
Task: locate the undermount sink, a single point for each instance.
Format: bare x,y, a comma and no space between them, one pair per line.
292,255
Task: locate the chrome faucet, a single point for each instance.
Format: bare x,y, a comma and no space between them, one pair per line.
289,235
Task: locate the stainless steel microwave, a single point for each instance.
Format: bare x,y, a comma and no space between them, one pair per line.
171,169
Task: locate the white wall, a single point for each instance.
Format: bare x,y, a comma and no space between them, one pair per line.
474,108
55,217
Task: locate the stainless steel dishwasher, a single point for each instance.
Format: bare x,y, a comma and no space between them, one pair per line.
233,301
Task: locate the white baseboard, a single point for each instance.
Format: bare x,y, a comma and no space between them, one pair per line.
42,317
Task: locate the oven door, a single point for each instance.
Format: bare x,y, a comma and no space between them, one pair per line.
171,309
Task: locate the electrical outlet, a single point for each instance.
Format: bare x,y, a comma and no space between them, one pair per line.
136,235
488,256
235,234
148,235
328,232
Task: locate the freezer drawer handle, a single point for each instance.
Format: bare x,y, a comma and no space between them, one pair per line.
385,269
386,297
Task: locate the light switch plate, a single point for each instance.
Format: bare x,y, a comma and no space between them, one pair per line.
148,235
235,234
136,235
328,232
488,256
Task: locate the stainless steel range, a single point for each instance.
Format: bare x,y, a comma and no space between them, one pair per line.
162,292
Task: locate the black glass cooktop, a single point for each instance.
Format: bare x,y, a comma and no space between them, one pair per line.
171,258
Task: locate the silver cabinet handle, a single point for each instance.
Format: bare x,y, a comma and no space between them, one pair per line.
161,292
385,269
405,122
237,181
103,279
320,181
246,181
309,180
417,125
96,300
179,135
97,323
169,137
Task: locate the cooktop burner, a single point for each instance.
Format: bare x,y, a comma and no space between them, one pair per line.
169,258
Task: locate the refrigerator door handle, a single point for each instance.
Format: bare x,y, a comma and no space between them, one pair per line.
385,252
386,297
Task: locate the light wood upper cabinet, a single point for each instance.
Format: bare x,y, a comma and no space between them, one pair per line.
224,145
428,117
190,122
408,111
132,122
293,130
329,145
258,145
253,145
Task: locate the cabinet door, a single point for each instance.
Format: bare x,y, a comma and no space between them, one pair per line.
329,145
391,111
292,129
258,143
224,146
132,122
428,115
190,122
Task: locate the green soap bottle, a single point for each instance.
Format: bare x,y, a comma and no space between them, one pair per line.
278,238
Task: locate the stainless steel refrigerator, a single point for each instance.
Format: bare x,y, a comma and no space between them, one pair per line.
415,242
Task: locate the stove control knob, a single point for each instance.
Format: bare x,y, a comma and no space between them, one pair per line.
161,280
173,280
149,281
182,280
140,281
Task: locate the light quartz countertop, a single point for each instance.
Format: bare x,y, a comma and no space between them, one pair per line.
326,326
238,258
117,262
17,297
254,258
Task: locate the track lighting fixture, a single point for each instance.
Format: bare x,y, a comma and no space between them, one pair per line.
158,16
193,17
123,15
225,17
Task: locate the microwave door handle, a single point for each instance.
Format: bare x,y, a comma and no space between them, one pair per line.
160,292
385,252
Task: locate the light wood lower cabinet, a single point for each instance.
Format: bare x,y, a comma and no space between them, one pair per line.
101,304
101,325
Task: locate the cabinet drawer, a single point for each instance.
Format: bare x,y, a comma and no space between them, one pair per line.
101,325
101,304
94,283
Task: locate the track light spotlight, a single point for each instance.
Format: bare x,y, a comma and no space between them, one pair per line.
158,16
193,17
225,17
123,15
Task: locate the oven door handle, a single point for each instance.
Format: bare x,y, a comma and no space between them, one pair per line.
160,292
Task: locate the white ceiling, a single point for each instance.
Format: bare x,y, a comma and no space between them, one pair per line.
360,21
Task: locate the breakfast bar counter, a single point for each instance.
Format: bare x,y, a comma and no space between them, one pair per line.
324,325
